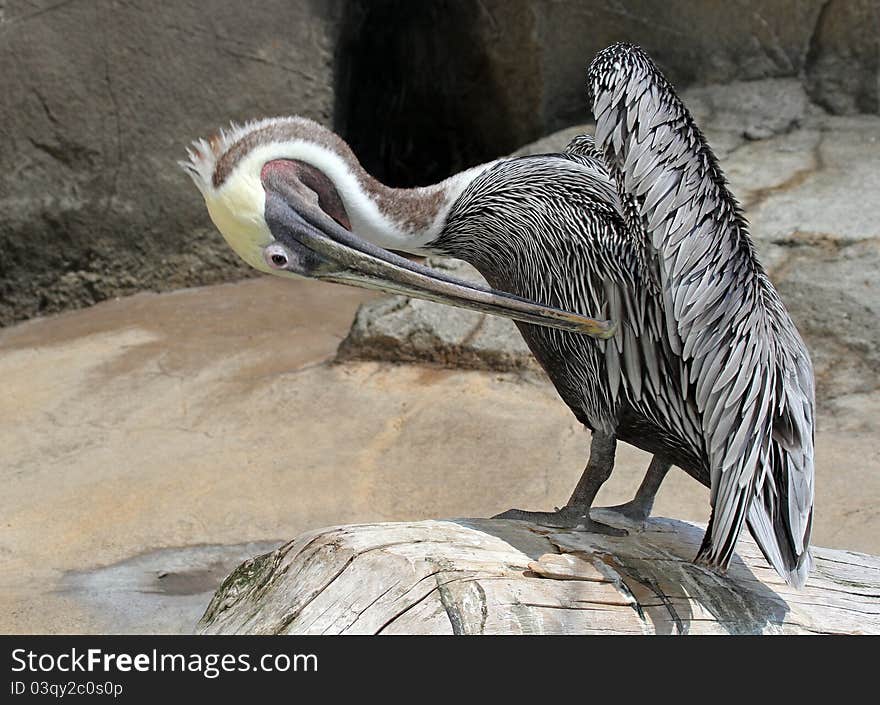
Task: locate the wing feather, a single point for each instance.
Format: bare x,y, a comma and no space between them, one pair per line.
721,314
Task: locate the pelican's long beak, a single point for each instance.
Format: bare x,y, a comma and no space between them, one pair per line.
310,243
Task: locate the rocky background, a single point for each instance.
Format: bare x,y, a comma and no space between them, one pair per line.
100,98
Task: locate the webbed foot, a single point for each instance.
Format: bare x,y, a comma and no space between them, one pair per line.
565,518
631,512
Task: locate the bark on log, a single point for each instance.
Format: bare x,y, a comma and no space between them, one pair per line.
481,576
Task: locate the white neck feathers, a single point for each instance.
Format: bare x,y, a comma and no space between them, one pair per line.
398,219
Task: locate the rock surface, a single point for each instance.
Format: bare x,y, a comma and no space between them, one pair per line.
715,42
401,329
95,115
843,62
808,182
100,100
484,76
834,44
475,576
159,591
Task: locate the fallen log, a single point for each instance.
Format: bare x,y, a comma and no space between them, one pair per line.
481,576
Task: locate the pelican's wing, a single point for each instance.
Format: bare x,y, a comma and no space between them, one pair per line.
639,356
781,514
722,315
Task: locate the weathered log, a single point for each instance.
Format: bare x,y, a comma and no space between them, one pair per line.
480,576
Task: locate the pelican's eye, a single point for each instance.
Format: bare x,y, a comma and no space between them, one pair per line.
276,257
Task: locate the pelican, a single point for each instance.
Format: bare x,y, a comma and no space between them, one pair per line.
625,262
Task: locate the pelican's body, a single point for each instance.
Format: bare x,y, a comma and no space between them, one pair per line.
702,366
508,224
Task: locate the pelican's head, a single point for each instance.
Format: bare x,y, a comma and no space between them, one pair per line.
291,199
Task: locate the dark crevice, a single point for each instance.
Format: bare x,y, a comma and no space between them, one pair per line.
414,93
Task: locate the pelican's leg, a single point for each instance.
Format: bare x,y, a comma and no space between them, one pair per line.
639,508
577,512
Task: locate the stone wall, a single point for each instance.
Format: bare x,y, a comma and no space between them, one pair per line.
101,97
831,44
460,82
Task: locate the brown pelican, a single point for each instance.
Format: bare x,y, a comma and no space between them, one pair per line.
701,364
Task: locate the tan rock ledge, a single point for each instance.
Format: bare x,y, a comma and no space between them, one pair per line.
481,576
